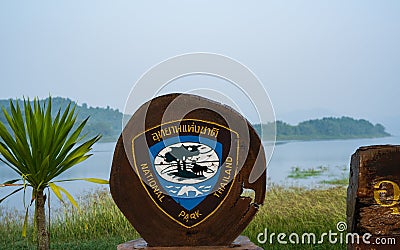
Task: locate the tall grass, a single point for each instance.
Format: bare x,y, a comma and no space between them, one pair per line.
97,225
298,210
100,225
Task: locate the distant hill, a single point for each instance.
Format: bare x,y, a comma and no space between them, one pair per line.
107,121
327,128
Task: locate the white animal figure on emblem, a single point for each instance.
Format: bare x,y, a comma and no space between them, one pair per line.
187,189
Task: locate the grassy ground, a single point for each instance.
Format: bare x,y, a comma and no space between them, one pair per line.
100,225
337,181
290,210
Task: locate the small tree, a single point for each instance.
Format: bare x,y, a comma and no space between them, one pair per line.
39,148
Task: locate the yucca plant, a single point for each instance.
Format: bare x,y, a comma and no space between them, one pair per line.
40,147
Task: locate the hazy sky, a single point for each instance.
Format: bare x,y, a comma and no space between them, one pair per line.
315,58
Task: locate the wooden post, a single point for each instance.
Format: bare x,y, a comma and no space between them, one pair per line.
373,198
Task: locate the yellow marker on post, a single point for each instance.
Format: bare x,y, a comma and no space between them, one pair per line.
396,195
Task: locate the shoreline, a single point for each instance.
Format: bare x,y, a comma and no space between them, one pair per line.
327,139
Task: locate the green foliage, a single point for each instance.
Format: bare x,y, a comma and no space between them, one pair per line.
40,146
104,121
100,224
327,128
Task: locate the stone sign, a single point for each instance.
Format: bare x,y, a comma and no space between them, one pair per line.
373,198
181,170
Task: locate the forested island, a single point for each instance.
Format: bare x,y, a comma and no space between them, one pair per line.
108,122
325,129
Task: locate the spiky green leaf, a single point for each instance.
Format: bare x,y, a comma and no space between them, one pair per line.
14,192
56,191
94,180
25,225
69,196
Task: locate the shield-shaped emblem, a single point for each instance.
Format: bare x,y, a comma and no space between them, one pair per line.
187,164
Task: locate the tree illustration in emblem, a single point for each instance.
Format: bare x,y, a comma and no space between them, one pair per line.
182,161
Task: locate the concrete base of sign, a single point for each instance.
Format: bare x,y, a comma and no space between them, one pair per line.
241,243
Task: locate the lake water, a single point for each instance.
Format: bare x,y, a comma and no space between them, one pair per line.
332,155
